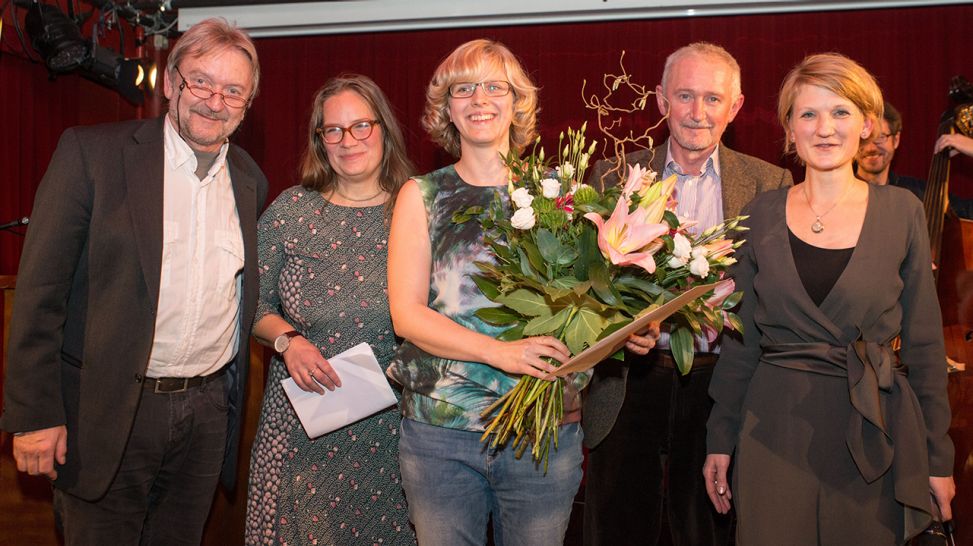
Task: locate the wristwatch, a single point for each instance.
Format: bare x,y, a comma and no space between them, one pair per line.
283,341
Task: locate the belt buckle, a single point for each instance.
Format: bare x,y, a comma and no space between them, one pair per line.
184,388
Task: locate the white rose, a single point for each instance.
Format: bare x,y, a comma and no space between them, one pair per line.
676,263
523,218
699,266
699,251
682,248
551,187
522,197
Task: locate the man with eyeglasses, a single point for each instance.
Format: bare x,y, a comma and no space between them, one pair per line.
874,161
136,293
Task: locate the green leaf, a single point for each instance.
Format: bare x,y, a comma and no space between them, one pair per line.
546,325
487,286
734,321
526,302
600,282
732,300
525,268
612,328
498,316
692,320
629,281
681,345
588,252
534,255
670,218
562,287
512,334
547,243
583,330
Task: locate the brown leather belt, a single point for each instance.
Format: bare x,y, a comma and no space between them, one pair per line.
664,359
169,385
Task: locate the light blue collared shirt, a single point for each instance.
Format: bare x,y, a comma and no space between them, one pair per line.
699,197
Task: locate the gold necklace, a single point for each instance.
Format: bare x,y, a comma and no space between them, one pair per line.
818,226
352,199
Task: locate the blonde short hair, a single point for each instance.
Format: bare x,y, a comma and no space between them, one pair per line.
836,73
471,62
211,36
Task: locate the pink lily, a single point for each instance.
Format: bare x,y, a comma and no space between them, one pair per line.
625,238
637,177
718,249
721,291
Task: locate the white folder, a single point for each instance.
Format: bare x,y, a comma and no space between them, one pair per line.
364,391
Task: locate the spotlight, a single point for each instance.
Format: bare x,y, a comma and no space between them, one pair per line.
108,68
55,37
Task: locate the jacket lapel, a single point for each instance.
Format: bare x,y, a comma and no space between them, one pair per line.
144,164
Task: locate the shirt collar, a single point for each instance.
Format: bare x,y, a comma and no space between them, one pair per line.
712,162
180,155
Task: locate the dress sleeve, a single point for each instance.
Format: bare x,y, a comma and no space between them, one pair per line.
739,355
272,232
922,343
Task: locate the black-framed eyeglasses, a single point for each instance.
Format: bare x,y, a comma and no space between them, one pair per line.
204,93
360,130
465,90
881,138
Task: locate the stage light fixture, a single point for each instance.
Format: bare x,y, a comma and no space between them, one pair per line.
55,37
110,69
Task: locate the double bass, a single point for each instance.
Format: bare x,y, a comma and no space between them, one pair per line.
951,237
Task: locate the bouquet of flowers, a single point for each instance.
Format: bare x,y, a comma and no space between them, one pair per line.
578,264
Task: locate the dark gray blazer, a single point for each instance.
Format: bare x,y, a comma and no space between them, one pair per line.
88,290
742,178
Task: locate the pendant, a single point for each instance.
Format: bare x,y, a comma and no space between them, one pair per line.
817,226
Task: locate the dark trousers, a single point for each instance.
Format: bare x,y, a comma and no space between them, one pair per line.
648,470
168,474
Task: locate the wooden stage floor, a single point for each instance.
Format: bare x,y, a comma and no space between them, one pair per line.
26,517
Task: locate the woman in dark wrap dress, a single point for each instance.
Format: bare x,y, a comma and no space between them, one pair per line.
835,440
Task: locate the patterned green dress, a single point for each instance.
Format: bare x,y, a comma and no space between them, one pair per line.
323,268
440,391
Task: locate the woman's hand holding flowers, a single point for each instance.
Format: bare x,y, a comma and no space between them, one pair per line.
526,356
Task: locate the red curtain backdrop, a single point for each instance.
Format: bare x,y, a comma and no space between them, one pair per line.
912,51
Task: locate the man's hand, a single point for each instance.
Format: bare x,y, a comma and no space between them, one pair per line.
37,450
642,342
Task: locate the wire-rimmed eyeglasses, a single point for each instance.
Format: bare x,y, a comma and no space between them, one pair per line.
464,90
359,130
204,93
880,138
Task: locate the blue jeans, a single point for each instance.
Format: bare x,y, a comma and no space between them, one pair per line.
454,483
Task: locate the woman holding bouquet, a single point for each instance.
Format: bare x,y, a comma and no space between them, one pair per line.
835,439
480,106
322,256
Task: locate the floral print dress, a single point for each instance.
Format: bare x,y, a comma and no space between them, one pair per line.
323,269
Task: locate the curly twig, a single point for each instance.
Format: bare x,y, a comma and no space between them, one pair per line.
608,123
